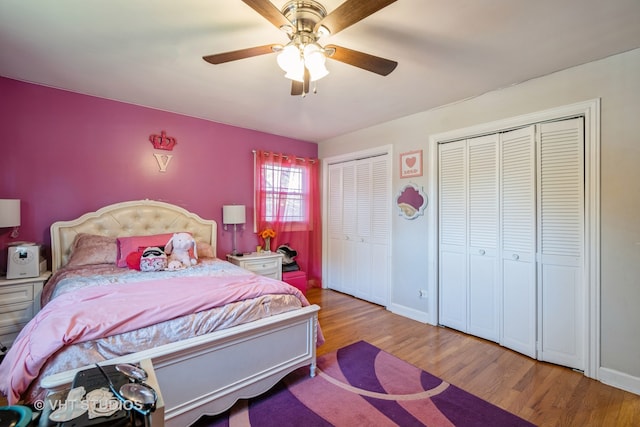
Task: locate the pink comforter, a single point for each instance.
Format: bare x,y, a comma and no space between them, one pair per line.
102,311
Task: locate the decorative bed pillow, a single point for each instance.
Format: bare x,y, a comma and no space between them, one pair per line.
153,259
204,250
90,249
126,245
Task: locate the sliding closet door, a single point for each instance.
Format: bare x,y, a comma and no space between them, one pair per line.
452,207
482,246
561,242
518,240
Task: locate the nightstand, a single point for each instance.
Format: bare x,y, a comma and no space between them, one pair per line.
263,263
19,302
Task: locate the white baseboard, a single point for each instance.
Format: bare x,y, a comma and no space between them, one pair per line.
411,313
619,380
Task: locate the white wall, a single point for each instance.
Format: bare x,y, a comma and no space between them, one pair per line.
616,81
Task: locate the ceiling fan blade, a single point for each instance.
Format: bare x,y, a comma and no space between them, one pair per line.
296,88
306,82
268,12
350,12
234,55
301,88
372,63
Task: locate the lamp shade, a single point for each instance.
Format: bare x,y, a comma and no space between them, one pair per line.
233,214
9,213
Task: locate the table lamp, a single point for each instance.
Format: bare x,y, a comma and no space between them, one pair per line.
10,215
233,215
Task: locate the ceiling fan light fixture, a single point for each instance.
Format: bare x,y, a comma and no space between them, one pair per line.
296,73
318,73
314,60
289,58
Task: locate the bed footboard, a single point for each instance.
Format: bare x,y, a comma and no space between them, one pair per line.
206,375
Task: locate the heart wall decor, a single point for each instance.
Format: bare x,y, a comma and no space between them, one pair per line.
411,164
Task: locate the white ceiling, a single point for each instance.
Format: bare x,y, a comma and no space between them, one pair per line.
149,52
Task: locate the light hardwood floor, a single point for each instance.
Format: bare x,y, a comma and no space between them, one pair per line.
542,393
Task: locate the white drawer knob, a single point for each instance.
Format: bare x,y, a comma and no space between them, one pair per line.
481,252
516,257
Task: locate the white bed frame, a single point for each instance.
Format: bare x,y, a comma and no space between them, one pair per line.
204,375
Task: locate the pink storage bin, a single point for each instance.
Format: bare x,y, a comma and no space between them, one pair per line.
297,279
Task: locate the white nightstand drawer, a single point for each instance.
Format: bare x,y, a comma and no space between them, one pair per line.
15,294
273,275
15,316
265,266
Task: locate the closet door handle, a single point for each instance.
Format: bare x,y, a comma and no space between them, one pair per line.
515,257
481,252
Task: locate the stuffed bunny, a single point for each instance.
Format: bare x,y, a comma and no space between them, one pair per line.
178,250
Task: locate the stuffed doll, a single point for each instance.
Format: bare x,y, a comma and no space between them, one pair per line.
178,248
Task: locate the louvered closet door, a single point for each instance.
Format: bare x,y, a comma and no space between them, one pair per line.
380,230
342,227
372,213
349,227
518,240
362,266
560,241
452,207
335,233
484,293
359,202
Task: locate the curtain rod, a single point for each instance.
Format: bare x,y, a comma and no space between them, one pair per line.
284,156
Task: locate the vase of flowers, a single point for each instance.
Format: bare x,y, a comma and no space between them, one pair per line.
267,234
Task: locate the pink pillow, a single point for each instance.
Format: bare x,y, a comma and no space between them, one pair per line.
204,250
126,245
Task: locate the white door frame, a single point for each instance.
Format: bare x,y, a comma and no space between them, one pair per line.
590,110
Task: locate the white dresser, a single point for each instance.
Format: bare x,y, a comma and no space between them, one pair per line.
19,302
267,264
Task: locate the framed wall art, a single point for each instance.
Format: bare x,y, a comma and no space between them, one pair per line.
411,164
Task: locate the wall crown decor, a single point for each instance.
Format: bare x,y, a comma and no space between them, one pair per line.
163,142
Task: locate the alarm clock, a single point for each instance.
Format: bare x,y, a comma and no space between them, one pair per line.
23,260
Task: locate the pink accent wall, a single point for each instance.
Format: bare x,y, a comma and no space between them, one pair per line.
63,154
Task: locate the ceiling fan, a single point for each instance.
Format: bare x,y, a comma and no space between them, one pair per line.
305,22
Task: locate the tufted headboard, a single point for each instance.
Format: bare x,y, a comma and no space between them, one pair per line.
134,218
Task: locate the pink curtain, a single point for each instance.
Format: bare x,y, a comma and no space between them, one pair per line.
288,201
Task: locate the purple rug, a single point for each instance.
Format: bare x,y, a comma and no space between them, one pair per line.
361,385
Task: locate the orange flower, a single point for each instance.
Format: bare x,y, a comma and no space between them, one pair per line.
268,233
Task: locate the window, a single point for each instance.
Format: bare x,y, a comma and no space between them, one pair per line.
284,193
